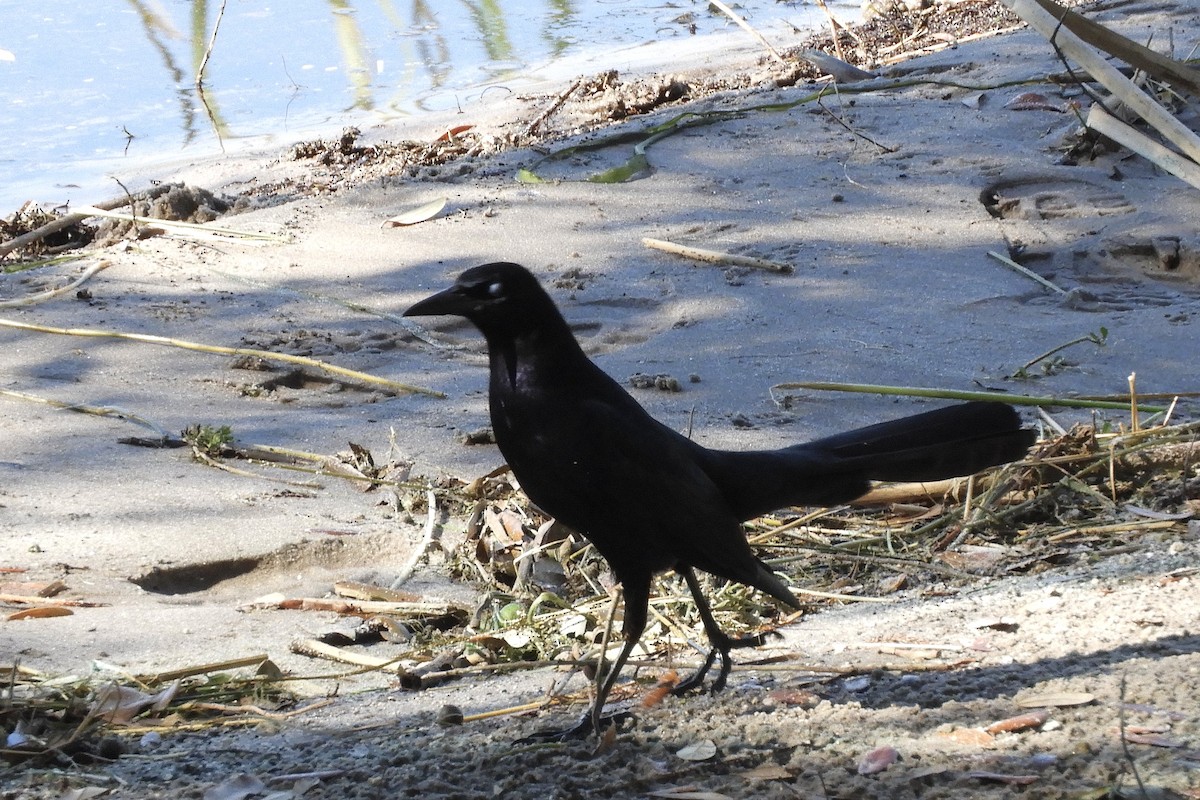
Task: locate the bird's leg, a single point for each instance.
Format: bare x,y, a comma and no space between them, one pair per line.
721,642
637,600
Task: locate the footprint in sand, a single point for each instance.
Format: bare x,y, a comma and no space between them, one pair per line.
1052,198
1051,224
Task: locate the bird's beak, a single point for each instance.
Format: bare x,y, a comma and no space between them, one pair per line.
449,301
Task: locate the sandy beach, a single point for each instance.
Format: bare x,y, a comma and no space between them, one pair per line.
885,203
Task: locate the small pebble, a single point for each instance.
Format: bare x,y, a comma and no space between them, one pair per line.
450,715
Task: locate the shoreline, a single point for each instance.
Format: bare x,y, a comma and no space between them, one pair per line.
742,65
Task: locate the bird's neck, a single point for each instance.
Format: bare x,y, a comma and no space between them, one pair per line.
521,362
544,355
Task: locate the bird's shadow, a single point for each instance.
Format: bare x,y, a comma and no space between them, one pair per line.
933,690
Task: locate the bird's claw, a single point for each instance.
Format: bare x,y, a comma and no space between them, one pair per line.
581,730
722,648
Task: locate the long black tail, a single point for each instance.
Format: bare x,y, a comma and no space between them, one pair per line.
944,443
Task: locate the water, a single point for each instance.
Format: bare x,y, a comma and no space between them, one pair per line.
88,89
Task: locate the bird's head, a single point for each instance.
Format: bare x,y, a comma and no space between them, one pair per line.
500,299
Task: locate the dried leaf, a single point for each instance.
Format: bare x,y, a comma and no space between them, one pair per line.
506,525
418,214
608,740
999,777
84,793
689,793
1056,700
972,737
1032,101
455,131
1150,513
766,772
1152,739
238,787
1005,624
878,760
974,100
41,612
120,704
1033,719
698,751
665,684
793,697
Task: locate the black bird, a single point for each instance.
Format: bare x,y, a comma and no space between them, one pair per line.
650,499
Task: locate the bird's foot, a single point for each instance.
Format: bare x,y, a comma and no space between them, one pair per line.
720,648
696,679
581,730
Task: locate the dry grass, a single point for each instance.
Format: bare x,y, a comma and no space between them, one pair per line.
1082,495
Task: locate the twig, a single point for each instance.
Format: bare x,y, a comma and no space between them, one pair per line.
212,42
398,608
205,458
317,649
892,562
555,106
427,541
50,602
204,669
1097,339
354,375
897,493
733,15
1133,526
894,57
716,256
834,27
42,263
84,408
1134,423
1137,776
882,147
842,598
505,712
952,394
1028,273
189,228
50,294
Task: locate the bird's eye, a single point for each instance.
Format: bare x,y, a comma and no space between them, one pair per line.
496,289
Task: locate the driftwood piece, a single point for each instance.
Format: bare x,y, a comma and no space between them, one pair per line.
1131,138
55,226
1178,74
1107,75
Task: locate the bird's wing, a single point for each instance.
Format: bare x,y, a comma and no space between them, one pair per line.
634,488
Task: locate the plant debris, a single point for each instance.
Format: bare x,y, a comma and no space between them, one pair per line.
65,721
